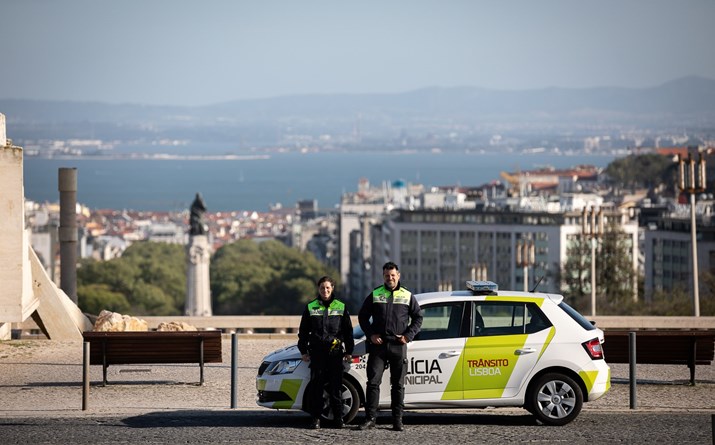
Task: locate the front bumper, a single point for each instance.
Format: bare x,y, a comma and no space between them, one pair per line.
280,392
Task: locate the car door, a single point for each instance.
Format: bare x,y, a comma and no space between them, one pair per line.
434,364
506,341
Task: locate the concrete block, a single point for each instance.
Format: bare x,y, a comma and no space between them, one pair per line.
57,315
5,331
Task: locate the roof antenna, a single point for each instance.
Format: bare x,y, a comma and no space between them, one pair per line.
537,284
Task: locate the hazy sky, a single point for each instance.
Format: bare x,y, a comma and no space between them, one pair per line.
178,52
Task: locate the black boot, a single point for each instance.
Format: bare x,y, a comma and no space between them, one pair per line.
339,422
315,423
368,424
337,411
397,424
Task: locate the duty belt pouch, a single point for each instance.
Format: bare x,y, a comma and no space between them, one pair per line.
337,351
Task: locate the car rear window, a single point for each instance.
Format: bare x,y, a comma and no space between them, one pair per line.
580,319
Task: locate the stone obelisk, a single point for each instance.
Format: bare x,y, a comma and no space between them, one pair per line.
198,254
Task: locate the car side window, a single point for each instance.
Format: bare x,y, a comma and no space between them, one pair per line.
536,320
506,318
440,321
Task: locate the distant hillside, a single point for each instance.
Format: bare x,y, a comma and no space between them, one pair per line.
687,95
681,103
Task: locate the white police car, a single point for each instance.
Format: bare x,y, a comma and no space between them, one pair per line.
477,348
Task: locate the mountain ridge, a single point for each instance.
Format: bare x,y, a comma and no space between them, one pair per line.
474,113
692,93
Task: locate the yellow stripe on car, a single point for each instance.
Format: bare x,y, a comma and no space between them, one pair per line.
290,387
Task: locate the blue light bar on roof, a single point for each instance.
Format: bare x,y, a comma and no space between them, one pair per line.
482,287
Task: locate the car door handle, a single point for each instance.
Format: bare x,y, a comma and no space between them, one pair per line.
449,354
525,351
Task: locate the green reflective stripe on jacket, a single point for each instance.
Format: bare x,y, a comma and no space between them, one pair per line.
399,296
315,308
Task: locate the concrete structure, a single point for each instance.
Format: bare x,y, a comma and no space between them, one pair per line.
198,291
26,288
68,234
17,302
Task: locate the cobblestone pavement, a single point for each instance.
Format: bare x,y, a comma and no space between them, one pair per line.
41,395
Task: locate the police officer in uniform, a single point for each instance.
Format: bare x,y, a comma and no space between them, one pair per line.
325,338
390,317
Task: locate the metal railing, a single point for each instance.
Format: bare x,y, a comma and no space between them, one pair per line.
287,325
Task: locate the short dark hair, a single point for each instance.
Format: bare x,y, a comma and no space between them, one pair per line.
328,279
389,266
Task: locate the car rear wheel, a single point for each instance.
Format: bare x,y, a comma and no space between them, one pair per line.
555,399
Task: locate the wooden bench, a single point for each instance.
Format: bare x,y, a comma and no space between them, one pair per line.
153,347
662,347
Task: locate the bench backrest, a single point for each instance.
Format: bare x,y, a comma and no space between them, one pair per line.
661,346
124,348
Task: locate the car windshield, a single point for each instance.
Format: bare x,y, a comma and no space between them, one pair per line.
580,319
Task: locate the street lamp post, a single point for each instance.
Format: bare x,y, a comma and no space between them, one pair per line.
525,257
592,228
691,179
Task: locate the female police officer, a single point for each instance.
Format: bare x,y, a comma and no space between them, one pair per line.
325,337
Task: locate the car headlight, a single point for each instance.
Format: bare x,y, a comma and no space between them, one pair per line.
283,366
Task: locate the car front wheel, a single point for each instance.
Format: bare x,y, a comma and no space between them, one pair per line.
555,399
351,402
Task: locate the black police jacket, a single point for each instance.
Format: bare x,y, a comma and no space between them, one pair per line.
321,324
393,313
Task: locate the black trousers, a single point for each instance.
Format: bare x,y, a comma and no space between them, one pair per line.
326,368
394,354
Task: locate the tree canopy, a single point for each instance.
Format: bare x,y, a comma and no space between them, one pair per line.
267,278
148,279
614,272
247,278
642,171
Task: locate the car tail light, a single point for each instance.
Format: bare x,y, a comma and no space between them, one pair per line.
356,359
593,348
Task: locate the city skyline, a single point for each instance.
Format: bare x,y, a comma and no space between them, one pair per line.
185,53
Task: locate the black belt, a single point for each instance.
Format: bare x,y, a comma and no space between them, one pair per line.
392,339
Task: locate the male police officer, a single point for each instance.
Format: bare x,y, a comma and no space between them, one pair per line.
325,327
390,317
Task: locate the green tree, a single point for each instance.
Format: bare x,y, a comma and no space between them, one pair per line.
266,278
642,171
614,273
676,302
576,273
707,295
162,265
149,279
94,298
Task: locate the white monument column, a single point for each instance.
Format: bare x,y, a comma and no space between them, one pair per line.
198,295
198,256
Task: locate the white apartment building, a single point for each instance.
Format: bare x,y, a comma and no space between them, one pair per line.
441,249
